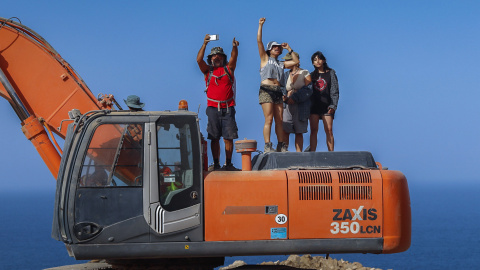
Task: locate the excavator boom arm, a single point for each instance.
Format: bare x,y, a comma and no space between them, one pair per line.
41,87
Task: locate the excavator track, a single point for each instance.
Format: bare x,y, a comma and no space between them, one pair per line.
101,266
160,264
84,266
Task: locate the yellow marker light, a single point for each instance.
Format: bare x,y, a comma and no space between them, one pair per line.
183,105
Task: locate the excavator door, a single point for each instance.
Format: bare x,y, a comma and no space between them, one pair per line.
175,197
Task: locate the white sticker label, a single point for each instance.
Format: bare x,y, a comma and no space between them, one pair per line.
281,219
169,178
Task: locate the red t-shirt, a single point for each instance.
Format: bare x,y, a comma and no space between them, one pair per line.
223,91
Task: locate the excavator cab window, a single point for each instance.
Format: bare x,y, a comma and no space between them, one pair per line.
175,160
114,157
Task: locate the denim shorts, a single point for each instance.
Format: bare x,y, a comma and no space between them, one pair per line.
221,123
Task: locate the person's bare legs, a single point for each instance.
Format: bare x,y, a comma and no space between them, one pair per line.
267,126
314,119
328,126
215,146
278,117
228,148
299,142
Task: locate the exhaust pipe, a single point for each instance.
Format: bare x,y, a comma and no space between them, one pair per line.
246,147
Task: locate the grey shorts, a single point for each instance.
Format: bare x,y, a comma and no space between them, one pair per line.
270,94
221,123
291,123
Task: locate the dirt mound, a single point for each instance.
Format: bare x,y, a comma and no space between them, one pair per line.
302,262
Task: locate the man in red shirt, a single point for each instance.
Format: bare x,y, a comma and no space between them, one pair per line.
219,78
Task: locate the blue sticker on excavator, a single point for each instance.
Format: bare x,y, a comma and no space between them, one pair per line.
278,233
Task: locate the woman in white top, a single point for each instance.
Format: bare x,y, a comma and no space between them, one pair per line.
293,119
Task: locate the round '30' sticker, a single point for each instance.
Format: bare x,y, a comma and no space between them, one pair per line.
281,219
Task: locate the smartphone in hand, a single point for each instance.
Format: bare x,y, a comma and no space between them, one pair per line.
214,37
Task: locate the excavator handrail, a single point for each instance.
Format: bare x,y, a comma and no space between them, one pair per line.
38,38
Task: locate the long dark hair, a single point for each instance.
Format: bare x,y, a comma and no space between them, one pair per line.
315,73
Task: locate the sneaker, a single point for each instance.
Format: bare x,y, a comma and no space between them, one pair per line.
268,148
307,149
229,167
213,167
283,147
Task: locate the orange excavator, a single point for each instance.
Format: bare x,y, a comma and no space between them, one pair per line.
135,186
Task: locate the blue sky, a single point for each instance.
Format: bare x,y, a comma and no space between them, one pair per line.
408,72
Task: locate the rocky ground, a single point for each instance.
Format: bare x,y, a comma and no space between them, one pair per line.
294,262
302,262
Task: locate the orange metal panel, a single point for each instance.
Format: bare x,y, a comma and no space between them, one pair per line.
335,204
397,217
235,205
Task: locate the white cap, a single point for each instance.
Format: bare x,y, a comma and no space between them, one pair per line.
271,44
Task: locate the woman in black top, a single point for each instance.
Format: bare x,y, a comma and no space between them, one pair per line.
324,100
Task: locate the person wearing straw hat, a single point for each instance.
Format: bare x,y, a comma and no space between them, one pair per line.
220,83
134,104
297,108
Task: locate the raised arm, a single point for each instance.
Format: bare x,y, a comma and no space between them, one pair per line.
295,61
201,54
232,64
261,48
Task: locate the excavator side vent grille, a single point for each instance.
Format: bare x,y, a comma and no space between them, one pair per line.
350,177
318,193
314,177
355,193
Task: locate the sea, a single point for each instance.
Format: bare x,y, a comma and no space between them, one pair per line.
445,231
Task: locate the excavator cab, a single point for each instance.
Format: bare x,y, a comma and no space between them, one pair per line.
129,178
